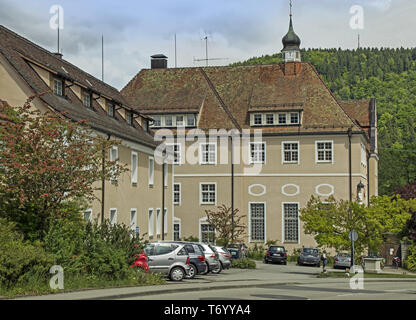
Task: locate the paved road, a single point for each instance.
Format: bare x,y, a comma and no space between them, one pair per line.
267,282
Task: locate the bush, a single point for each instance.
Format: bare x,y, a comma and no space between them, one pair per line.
410,262
257,252
20,260
190,239
244,263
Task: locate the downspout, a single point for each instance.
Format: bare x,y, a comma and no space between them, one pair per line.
350,182
103,182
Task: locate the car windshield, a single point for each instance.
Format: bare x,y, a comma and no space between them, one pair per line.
344,255
276,249
310,251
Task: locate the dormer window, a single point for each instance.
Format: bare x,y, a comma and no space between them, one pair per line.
258,119
190,119
157,121
179,121
168,121
86,99
58,87
129,117
282,118
270,119
110,109
294,118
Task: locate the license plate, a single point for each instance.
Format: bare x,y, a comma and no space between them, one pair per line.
276,254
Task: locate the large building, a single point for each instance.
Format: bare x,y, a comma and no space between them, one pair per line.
136,198
308,137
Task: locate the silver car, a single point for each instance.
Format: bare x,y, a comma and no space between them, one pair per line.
212,258
342,260
170,259
225,257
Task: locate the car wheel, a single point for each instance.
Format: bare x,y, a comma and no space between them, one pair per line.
177,274
192,271
206,269
218,269
318,265
285,263
266,261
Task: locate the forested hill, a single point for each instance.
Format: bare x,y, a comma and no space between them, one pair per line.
386,74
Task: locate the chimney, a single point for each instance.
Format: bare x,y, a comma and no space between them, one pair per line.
159,61
58,55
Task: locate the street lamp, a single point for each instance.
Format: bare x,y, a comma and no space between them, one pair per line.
353,235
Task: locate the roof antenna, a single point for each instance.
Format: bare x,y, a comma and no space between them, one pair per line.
176,64
102,58
58,27
359,45
206,53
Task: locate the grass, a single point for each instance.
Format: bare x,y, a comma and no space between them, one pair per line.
39,285
331,274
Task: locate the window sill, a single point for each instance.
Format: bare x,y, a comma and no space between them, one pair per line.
151,186
207,204
291,242
134,184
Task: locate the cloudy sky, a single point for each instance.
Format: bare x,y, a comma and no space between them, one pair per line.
237,29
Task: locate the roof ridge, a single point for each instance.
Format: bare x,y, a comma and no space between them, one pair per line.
217,95
53,55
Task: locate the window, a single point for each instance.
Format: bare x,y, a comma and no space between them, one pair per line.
257,221
175,149
324,151
168,121
164,248
58,87
151,171
294,118
134,167
88,215
363,155
258,119
208,153
114,158
290,152
270,118
291,222
158,221
157,121
177,193
282,118
190,120
207,233
176,231
86,99
111,109
179,121
133,220
151,225
257,152
113,216
129,117
208,193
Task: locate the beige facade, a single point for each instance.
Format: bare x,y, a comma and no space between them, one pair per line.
278,186
129,200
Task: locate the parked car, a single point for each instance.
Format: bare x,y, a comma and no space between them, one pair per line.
241,248
225,257
276,254
342,260
197,263
309,256
168,258
212,258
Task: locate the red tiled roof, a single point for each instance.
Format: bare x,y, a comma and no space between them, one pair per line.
243,89
18,51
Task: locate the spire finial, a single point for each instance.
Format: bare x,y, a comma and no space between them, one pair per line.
290,4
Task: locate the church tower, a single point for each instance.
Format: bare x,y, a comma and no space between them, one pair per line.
291,44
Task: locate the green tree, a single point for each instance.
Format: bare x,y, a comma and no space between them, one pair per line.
228,224
47,160
330,221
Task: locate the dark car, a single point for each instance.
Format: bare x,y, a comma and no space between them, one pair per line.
238,250
276,254
309,256
197,263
